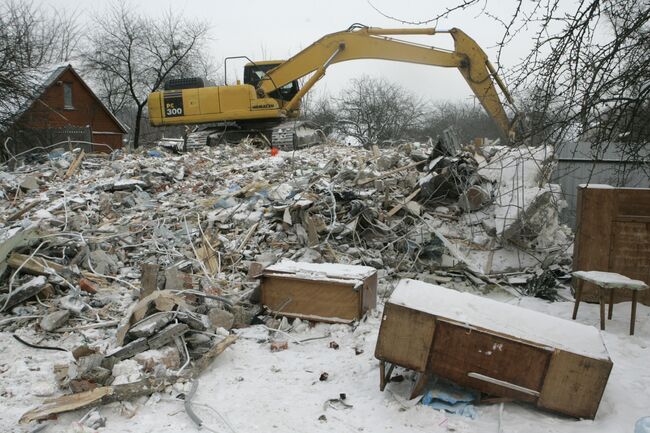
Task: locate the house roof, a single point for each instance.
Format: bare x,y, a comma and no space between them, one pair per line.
40,79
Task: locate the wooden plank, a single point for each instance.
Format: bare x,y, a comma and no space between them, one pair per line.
397,207
405,337
23,211
458,351
75,164
35,265
66,403
324,299
574,384
207,254
149,279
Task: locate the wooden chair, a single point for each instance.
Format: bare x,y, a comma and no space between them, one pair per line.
607,283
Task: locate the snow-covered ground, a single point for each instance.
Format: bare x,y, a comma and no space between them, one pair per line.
257,390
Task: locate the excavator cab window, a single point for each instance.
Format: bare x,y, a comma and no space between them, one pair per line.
254,73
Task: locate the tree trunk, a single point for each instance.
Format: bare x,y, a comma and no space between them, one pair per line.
136,129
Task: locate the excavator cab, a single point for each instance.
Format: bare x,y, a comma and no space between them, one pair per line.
256,72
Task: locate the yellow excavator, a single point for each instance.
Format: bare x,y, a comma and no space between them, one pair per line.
270,96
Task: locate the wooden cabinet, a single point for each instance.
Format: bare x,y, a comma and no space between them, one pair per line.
324,292
496,348
613,235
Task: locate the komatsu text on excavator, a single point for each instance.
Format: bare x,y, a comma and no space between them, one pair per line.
268,102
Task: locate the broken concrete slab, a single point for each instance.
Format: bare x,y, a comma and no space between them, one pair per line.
199,322
103,263
129,350
414,208
22,293
168,356
55,320
150,325
13,238
220,318
29,183
167,335
175,279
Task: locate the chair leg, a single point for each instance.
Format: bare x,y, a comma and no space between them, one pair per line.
578,296
601,299
633,315
611,304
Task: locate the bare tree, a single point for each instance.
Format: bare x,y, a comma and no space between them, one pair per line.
470,120
130,55
320,108
374,109
30,37
588,70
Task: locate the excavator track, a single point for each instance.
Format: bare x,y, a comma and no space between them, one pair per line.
286,135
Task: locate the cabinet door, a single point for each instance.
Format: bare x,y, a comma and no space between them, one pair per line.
490,363
574,384
405,337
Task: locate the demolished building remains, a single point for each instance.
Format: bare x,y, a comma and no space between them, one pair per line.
148,263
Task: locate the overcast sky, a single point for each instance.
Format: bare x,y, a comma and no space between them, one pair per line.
263,29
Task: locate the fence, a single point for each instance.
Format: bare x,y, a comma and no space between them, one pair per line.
578,164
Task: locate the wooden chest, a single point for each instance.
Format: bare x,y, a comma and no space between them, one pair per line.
324,292
496,348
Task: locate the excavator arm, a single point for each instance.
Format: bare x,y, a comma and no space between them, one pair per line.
374,43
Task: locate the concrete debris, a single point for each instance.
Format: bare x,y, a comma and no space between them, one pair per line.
147,255
29,183
221,318
28,290
279,346
55,320
103,263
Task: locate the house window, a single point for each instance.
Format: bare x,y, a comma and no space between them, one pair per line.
67,96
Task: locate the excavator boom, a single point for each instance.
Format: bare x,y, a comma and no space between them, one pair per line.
249,103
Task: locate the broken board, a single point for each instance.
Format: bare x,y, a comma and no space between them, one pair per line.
324,292
499,349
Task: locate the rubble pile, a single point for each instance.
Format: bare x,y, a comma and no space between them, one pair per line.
203,217
146,256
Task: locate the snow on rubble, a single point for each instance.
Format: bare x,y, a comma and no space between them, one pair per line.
150,254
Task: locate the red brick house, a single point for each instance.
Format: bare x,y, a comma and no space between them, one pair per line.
63,106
